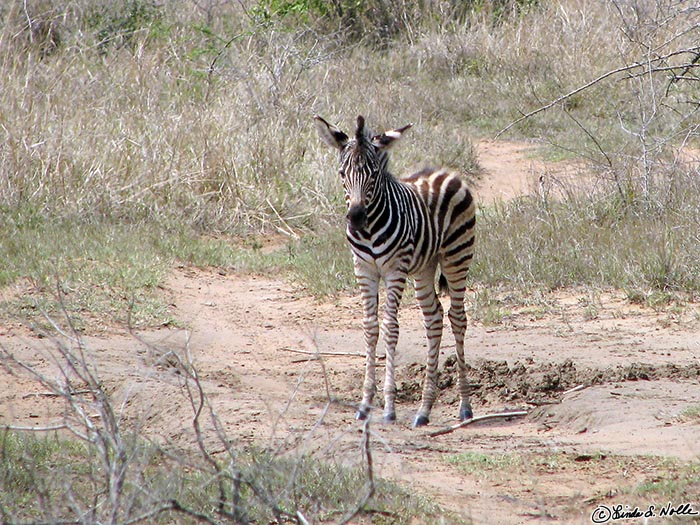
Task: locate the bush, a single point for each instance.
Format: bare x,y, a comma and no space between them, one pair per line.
97,464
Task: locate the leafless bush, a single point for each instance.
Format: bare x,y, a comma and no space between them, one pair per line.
123,472
660,67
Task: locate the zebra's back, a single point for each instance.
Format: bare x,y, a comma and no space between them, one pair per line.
452,209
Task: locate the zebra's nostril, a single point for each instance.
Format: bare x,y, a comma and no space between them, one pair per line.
357,216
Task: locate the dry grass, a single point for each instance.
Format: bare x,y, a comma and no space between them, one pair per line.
195,117
136,133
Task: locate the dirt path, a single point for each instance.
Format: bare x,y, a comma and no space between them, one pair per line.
253,341
260,327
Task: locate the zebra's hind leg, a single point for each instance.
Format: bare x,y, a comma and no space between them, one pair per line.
458,320
432,319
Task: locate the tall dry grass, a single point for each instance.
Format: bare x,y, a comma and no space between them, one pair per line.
130,130
195,116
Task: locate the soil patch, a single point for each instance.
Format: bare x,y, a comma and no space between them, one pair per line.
533,383
284,372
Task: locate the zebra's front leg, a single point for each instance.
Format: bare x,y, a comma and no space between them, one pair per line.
395,285
432,319
369,288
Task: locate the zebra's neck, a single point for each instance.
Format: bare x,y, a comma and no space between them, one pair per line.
383,210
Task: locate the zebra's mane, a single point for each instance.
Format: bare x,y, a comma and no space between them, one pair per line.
363,145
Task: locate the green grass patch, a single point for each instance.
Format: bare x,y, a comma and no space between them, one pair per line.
322,263
91,269
52,479
475,462
28,464
690,414
673,480
104,271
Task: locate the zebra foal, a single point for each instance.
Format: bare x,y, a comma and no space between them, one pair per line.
399,228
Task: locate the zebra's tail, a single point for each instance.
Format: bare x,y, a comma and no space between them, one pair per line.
442,284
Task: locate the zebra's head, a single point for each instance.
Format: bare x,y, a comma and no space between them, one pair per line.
363,164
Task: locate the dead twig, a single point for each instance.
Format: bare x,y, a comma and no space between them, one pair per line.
56,394
574,389
316,353
447,430
50,428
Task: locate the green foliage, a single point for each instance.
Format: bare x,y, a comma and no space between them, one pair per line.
266,11
590,240
55,479
496,10
117,23
379,23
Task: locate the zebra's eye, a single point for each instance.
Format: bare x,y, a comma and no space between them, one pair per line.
342,174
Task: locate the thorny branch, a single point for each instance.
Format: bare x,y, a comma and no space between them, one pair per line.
647,67
92,416
366,449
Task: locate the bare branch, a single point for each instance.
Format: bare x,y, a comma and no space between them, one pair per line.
630,67
447,430
370,476
568,95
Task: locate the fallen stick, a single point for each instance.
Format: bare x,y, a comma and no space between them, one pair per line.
575,389
324,354
49,428
56,394
447,430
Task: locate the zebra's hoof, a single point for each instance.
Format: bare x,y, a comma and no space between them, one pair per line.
390,418
420,421
465,413
362,414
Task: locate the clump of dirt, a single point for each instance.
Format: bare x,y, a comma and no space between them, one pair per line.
530,382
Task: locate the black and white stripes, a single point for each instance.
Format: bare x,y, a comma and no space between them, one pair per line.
399,228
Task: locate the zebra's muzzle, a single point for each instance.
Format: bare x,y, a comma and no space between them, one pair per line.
357,216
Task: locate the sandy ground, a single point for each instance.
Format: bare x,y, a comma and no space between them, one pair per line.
285,371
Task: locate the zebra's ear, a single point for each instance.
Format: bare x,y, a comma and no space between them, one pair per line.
388,138
330,134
